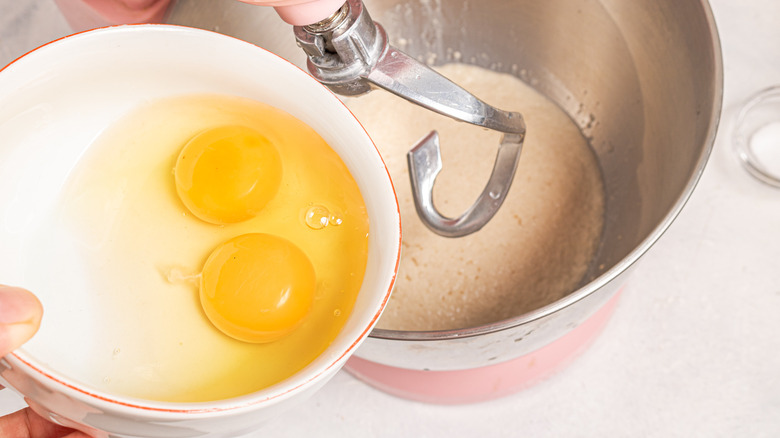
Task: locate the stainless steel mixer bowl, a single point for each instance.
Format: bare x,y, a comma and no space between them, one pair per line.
642,79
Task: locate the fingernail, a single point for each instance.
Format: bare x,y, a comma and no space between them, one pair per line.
18,305
20,317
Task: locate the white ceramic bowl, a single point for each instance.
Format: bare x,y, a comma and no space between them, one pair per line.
54,102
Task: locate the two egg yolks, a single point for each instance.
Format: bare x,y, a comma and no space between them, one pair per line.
255,287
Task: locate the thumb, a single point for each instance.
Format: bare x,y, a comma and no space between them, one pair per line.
20,316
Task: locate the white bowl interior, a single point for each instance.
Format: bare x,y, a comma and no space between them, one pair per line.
59,98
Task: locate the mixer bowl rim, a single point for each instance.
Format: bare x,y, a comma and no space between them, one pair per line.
625,263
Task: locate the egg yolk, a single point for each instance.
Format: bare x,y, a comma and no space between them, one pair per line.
257,287
227,174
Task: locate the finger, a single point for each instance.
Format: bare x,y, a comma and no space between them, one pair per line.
26,423
20,317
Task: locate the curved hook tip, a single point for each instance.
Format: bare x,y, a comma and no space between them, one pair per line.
424,161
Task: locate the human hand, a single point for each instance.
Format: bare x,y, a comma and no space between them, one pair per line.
20,316
301,12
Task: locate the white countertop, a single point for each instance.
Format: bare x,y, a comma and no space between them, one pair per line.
694,346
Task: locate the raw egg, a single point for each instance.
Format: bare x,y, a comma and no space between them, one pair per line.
144,248
257,287
227,174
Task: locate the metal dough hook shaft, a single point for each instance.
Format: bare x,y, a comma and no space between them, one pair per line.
350,54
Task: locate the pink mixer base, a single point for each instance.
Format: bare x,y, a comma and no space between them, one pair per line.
484,383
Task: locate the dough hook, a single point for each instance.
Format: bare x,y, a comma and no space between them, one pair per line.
350,54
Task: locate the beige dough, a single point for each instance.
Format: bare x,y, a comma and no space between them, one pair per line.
535,250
